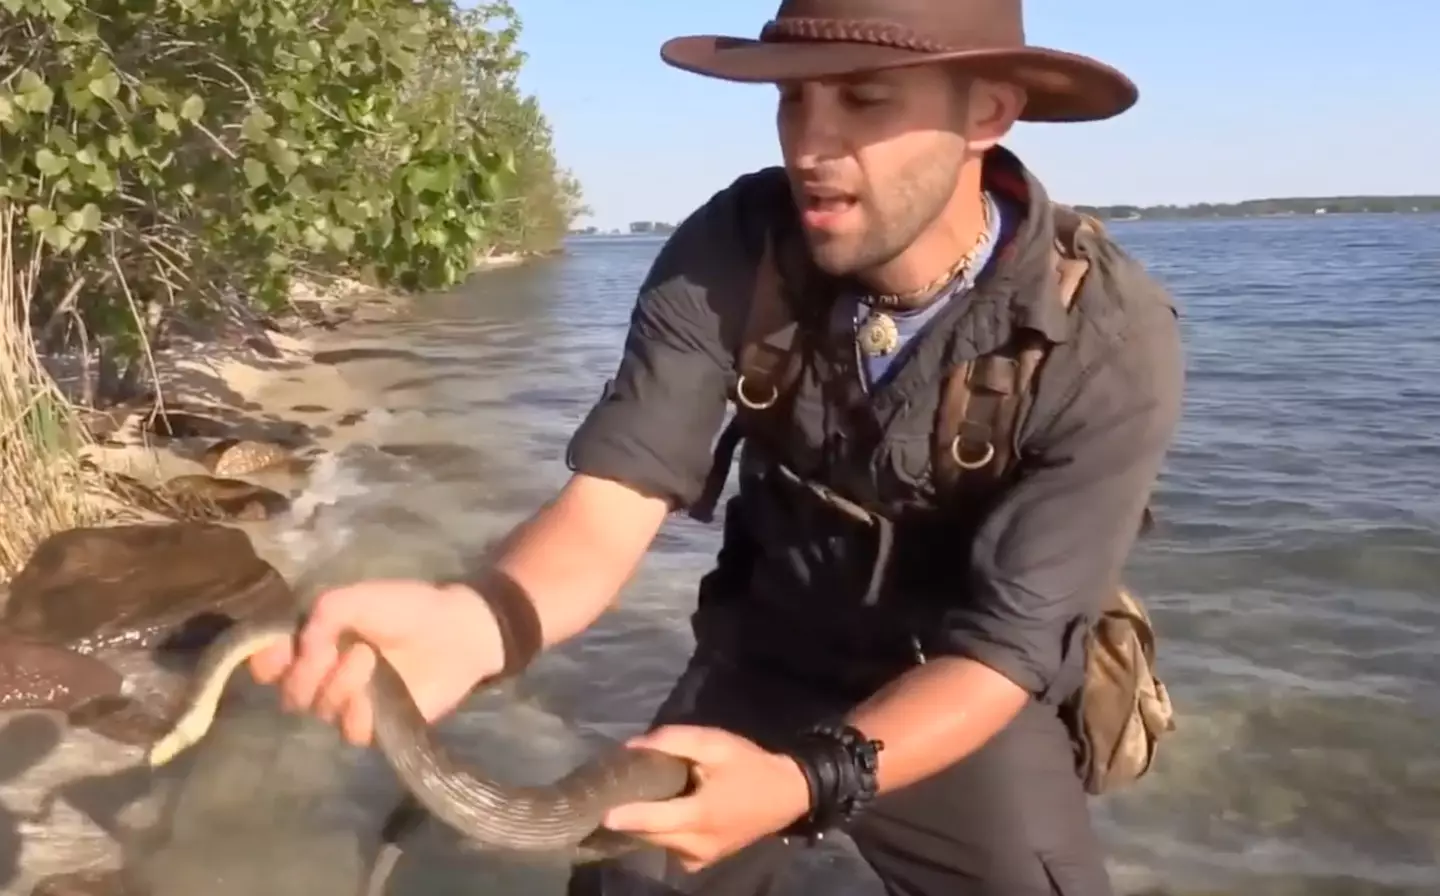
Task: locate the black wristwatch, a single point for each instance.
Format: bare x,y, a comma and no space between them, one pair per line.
841,767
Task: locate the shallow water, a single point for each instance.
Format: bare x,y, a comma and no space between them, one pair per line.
1293,577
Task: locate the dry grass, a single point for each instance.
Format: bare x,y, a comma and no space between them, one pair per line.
44,486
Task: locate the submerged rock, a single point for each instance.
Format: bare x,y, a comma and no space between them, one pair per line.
87,883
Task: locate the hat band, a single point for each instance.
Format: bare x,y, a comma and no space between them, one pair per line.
855,31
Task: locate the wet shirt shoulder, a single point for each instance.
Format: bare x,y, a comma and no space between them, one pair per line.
656,420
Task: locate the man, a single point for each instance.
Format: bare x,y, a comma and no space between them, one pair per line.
933,629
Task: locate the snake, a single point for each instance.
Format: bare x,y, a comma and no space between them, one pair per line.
564,816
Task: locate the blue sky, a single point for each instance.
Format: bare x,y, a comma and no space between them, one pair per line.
1237,100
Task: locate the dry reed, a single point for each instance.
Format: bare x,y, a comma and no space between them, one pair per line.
43,485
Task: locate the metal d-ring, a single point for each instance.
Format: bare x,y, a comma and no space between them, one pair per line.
964,464
741,397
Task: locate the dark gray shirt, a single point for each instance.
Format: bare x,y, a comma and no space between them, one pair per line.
1043,558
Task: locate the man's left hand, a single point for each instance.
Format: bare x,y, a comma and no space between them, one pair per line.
742,793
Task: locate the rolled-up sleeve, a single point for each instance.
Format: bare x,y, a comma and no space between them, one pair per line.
1047,556
653,427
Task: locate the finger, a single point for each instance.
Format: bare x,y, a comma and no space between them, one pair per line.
357,720
705,746
668,816
346,681
317,651
309,670
266,666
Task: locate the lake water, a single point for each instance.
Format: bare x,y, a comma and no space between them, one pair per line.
1294,575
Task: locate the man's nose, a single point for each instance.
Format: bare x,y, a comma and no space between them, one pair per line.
808,132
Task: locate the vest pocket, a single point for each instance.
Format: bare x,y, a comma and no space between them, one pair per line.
903,471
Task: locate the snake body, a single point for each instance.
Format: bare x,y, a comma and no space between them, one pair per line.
563,816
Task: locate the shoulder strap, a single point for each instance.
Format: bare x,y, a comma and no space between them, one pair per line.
766,367
984,399
765,364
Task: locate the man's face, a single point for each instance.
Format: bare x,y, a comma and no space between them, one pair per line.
873,161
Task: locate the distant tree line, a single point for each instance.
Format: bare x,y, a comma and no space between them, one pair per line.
1255,208
1250,208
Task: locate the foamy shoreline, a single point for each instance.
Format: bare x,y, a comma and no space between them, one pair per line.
260,382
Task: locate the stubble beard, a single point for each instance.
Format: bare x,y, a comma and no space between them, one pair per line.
911,204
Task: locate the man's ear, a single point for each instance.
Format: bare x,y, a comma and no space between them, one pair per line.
992,108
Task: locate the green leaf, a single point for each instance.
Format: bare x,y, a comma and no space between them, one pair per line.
102,178
59,10
84,219
32,93
89,217
58,236
349,211
107,86
343,238
192,108
256,126
285,159
256,174
49,164
151,95
40,217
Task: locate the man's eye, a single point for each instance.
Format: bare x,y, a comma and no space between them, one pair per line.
865,98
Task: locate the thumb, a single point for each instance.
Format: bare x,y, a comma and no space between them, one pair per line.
701,745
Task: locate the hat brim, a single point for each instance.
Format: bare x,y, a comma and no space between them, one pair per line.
1060,86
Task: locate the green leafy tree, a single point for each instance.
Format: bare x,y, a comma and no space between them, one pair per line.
173,157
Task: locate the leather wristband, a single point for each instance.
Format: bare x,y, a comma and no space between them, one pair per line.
840,767
521,635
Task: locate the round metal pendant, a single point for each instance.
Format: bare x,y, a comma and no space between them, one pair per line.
878,336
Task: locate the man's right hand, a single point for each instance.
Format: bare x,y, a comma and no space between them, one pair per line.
442,639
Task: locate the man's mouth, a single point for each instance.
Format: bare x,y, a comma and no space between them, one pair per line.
823,208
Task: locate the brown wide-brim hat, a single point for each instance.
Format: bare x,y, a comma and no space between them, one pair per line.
816,39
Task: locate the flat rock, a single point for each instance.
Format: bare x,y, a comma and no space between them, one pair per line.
36,675
175,585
